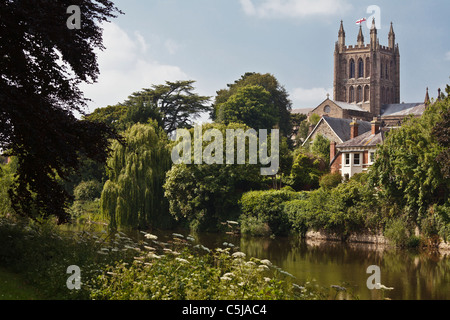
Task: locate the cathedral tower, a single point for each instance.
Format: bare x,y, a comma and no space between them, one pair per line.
367,75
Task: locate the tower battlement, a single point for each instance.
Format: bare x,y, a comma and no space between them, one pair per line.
367,75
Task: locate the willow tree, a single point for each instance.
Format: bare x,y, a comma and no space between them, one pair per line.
133,196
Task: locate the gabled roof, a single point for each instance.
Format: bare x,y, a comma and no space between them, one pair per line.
341,127
402,109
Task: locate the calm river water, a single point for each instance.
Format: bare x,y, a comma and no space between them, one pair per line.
413,275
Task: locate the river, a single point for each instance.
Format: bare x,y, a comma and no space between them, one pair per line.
413,275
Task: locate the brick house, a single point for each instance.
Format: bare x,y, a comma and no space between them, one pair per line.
335,129
357,154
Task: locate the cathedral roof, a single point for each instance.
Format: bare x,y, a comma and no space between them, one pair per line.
402,109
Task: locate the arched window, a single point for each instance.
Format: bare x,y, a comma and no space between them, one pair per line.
386,73
344,68
327,109
351,95
366,93
382,70
367,67
352,69
360,68
359,92
392,70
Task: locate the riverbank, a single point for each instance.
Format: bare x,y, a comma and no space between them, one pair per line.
374,241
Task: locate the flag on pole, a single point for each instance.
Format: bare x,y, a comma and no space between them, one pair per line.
361,21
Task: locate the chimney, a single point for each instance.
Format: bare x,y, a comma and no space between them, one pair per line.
375,126
332,150
353,129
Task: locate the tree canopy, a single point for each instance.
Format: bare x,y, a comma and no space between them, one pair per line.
250,105
406,169
279,98
42,63
174,102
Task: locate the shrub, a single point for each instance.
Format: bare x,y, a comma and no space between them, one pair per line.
88,190
398,233
330,180
268,208
299,218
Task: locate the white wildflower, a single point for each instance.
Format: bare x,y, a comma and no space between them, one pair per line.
225,278
238,255
267,279
266,262
263,267
250,263
182,260
177,235
228,275
150,236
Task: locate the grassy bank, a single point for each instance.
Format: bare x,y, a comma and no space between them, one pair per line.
14,287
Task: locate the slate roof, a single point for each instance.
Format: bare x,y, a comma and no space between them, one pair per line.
342,127
348,106
364,140
402,109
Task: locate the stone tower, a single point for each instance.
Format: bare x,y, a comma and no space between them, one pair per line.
367,75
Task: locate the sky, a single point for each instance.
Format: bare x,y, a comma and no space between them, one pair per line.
215,42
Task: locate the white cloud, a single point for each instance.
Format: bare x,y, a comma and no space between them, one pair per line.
294,8
309,98
126,68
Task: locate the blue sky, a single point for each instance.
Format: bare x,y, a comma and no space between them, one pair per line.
214,42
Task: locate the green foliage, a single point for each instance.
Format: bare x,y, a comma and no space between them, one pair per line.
398,232
6,179
250,105
207,194
321,147
263,212
314,119
41,253
43,65
133,196
279,98
406,170
88,190
173,104
330,180
306,171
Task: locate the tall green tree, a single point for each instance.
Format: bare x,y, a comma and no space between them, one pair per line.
278,97
174,104
42,63
406,170
206,194
133,196
250,105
